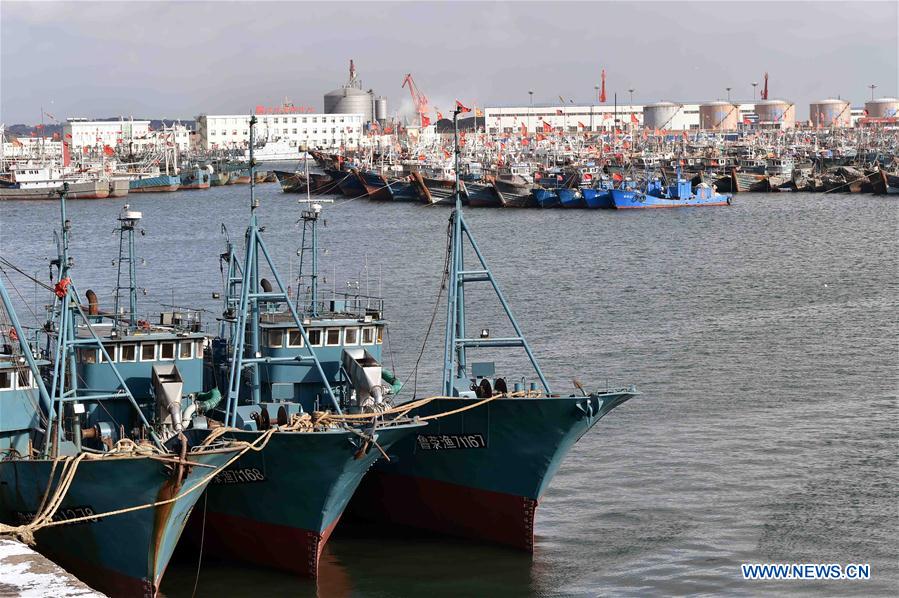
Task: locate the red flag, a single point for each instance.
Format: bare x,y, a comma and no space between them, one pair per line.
540,137
439,116
425,121
462,107
746,121
108,150
602,94
634,118
66,157
581,125
558,113
524,130
68,135
547,128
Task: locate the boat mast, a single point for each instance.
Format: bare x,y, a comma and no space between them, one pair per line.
456,342
246,353
65,378
128,221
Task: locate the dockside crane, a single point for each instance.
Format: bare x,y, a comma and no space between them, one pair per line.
419,99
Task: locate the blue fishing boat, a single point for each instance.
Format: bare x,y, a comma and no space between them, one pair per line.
658,195
99,482
481,468
598,195
306,376
571,198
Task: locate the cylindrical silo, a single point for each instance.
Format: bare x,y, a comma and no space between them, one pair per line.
718,116
660,115
381,110
830,113
776,113
882,108
349,100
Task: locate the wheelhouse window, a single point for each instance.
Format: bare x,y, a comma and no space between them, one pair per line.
25,380
380,334
198,349
315,337
128,353
351,336
294,338
368,335
276,338
186,350
332,337
5,380
167,351
87,355
110,350
148,352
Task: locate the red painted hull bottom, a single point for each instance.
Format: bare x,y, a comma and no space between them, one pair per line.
446,508
194,187
235,538
112,583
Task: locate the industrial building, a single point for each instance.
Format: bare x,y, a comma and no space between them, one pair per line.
670,116
319,131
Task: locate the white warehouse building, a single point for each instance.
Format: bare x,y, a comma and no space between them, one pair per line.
602,117
315,131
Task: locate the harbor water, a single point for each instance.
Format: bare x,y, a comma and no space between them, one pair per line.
763,336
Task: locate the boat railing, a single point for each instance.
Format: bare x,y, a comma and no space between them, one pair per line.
354,305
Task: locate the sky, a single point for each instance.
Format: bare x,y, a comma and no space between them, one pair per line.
181,59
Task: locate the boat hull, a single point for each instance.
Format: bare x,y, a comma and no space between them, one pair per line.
98,189
628,199
570,198
120,555
276,508
597,198
157,184
480,473
118,187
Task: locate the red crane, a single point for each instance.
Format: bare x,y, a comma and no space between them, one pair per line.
419,99
765,89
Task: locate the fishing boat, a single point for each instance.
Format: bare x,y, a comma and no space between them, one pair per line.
194,177
513,184
306,377
102,484
599,196
658,195
154,183
482,195
480,470
118,187
31,181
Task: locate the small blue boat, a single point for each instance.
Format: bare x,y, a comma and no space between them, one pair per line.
599,196
570,198
545,198
657,195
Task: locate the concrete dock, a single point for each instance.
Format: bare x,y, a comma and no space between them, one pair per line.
26,573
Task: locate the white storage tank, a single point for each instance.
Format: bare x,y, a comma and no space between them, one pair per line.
660,115
776,113
718,116
349,100
381,110
882,108
830,112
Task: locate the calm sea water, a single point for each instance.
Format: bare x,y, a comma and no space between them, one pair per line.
763,336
